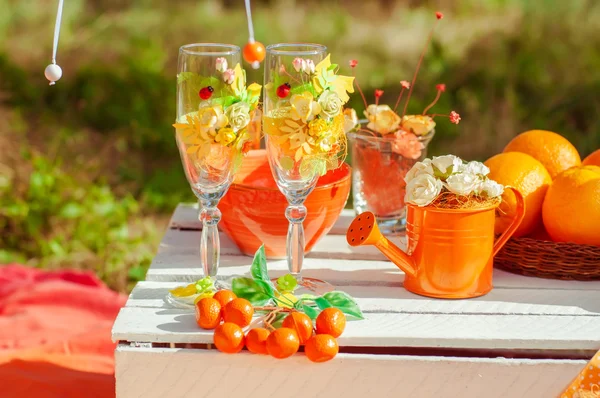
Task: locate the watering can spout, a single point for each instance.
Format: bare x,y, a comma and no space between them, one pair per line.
364,231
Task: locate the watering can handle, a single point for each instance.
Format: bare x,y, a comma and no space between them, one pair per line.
519,214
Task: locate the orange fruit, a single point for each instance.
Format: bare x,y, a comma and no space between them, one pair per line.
224,297
229,338
331,321
572,207
208,313
554,151
283,343
256,340
531,178
321,348
238,311
593,159
301,323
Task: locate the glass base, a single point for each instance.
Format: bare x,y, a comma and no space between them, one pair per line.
311,286
188,302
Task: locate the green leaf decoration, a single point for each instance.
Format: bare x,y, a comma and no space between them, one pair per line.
344,302
259,265
204,285
286,283
322,302
267,287
301,89
310,311
250,290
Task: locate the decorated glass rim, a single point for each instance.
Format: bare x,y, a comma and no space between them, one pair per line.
214,49
296,49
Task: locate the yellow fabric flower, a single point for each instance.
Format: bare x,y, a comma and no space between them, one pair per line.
254,90
350,120
324,77
211,118
382,119
418,124
317,127
304,107
225,136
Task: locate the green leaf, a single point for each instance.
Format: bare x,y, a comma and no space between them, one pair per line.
248,288
310,311
259,265
344,302
267,287
287,283
322,302
300,89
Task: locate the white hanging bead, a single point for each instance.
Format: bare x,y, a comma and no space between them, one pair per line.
53,73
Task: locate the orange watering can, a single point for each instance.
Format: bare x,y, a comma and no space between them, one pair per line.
450,252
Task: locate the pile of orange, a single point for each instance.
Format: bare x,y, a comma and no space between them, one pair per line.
297,329
562,193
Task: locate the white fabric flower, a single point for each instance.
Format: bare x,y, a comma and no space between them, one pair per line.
382,119
331,103
447,164
221,64
491,188
476,168
310,66
463,183
418,124
422,190
238,115
350,120
299,64
229,76
419,168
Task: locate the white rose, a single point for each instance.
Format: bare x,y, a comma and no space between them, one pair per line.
463,183
447,164
221,64
418,169
331,104
422,190
238,115
476,168
350,119
491,188
382,119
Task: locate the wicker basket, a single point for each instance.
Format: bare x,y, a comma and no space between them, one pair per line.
544,259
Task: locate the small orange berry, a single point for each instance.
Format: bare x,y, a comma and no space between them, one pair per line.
283,343
224,297
238,311
256,340
301,323
208,313
229,338
321,348
254,52
331,321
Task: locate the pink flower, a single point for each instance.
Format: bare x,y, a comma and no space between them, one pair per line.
439,15
440,87
454,117
407,145
229,76
353,63
299,64
378,93
405,84
282,69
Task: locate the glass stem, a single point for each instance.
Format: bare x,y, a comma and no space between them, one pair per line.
210,245
295,213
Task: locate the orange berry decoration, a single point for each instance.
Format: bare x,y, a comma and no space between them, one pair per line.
283,343
301,323
256,340
254,53
321,348
208,313
224,297
238,311
331,321
229,338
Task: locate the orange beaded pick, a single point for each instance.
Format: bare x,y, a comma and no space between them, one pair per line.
254,53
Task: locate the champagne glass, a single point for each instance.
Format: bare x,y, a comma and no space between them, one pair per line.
297,157
213,115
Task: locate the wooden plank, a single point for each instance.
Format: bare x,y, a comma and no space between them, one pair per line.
149,373
525,332
186,267
398,300
186,217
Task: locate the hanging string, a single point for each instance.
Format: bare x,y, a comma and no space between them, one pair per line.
250,26
53,72
254,51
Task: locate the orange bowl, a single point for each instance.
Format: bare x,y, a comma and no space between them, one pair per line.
253,208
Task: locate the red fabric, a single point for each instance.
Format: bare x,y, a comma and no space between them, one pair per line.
55,334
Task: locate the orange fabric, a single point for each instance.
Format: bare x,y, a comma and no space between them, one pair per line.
587,382
55,334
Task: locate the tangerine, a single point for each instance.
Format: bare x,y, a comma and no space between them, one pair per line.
321,348
530,177
301,323
331,321
238,311
229,338
208,313
571,209
224,297
283,343
553,150
256,340
593,159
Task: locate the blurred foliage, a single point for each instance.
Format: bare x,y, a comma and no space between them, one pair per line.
509,66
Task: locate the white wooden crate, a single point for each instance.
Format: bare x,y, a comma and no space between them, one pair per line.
527,338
